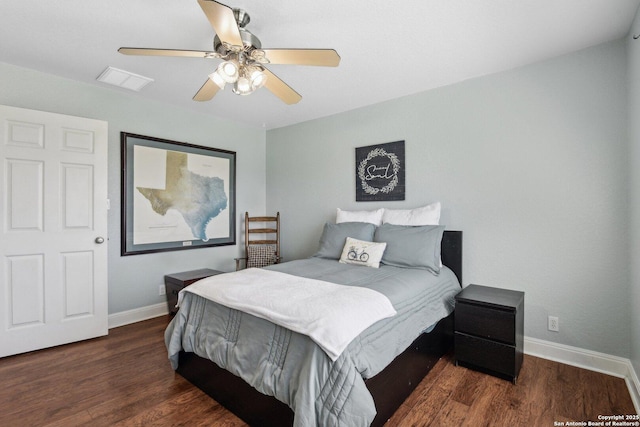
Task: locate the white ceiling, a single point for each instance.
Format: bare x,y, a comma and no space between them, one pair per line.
388,49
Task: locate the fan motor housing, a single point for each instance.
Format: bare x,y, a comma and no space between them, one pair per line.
248,39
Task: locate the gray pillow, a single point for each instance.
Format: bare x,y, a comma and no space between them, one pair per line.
411,246
334,237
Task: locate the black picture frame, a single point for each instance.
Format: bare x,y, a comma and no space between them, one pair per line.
380,172
175,195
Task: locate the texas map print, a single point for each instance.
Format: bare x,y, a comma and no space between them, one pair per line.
185,197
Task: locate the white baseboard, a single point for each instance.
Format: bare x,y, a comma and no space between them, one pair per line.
137,315
574,356
587,359
634,388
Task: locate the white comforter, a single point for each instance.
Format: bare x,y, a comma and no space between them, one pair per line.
331,315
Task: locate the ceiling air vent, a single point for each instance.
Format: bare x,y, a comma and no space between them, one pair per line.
124,79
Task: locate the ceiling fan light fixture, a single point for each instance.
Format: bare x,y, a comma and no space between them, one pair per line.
217,79
242,57
242,86
257,78
229,70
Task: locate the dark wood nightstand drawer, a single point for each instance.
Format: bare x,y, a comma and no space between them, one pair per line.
485,322
488,355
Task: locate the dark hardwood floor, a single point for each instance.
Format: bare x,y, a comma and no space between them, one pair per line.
125,380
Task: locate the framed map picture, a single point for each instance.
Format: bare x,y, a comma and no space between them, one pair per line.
380,172
175,195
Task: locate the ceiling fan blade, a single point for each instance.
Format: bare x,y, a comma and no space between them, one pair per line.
318,57
168,52
281,89
223,21
207,91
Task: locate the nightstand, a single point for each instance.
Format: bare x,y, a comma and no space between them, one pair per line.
489,330
175,282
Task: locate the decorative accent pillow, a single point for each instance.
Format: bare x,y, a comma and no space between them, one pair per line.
334,236
360,252
261,255
426,215
411,246
372,217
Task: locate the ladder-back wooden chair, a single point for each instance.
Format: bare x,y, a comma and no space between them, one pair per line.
262,251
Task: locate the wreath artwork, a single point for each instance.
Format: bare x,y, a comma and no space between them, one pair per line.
380,172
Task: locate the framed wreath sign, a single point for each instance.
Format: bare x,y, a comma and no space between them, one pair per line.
380,172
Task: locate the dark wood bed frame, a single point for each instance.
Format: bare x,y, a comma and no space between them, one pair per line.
389,388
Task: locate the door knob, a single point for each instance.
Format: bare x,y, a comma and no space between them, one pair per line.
99,240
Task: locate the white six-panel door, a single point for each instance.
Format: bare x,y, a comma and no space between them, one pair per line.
53,214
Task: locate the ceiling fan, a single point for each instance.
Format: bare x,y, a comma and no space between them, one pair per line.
243,56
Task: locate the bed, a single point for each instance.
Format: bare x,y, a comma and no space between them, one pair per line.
243,360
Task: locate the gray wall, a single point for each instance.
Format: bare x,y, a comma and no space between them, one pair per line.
633,53
134,280
531,164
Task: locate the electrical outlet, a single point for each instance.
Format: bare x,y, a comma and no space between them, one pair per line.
162,290
554,324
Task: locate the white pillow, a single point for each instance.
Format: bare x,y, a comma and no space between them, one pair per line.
373,217
426,215
359,252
